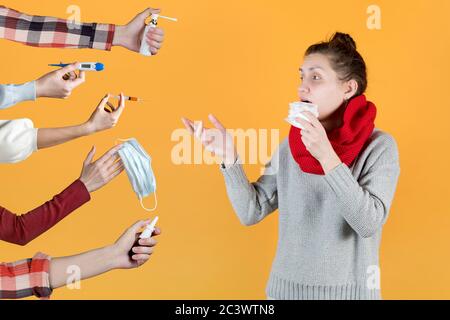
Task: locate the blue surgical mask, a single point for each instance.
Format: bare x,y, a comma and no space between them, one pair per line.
138,165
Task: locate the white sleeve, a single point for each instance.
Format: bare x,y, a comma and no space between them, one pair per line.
18,140
10,94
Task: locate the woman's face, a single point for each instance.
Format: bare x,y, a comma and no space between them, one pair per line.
321,86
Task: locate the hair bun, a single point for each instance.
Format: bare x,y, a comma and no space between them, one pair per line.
340,39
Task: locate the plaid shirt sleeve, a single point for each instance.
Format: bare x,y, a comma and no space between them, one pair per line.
24,278
49,32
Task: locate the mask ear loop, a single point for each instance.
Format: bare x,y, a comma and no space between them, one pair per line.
146,209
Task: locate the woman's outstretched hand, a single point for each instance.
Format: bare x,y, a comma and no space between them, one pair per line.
216,140
96,174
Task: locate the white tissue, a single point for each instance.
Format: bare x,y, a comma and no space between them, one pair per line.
296,109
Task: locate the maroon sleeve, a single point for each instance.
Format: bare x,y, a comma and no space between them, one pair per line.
24,228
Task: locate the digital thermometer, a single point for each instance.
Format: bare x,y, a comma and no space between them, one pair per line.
83,66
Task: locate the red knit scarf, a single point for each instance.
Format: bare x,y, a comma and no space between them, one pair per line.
347,141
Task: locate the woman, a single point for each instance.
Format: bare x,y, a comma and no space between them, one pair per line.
38,276
18,139
333,182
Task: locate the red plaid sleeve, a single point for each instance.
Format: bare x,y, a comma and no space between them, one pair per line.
24,278
49,32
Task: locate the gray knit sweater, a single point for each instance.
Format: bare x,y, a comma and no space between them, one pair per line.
329,226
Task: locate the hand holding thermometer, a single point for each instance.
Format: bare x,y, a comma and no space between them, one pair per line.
145,48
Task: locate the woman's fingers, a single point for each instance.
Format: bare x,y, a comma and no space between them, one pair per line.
207,143
211,138
104,101
198,129
110,153
156,232
155,37
115,170
68,69
139,257
79,79
216,122
115,173
313,120
118,110
110,161
188,124
149,242
71,75
90,156
142,250
154,44
305,124
111,167
111,107
121,103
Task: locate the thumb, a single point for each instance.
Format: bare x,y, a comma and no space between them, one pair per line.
121,103
138,225
216,122
70,68
148,12
90,156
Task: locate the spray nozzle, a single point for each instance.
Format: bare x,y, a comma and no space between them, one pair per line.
156,16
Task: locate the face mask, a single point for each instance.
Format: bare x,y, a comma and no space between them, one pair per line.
137,163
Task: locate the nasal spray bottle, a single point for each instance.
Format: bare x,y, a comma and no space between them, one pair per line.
147,233
145,48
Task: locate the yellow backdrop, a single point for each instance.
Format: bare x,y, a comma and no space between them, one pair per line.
239,60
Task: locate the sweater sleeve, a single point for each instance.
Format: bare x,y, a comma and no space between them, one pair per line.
24,228
252,202
18,140
11,94
365,202
25,278
51,32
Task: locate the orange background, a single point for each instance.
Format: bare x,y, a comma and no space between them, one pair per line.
238,60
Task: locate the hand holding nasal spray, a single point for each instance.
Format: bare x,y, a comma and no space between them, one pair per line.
145,48
146,234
